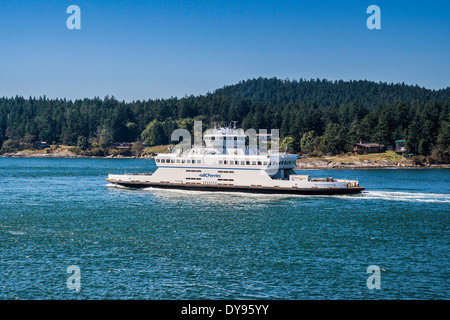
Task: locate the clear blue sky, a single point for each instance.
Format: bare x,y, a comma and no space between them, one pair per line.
158,49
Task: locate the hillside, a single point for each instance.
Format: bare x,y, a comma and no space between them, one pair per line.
326,93
312,115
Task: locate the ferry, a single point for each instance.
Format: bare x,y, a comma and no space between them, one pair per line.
223,162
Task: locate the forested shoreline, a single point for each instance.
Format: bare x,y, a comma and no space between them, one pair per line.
313,116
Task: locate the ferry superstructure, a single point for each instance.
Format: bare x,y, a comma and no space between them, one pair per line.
223,162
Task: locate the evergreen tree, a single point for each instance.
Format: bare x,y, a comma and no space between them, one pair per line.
106,138
335,140
82,143
288,145
154,134
308,141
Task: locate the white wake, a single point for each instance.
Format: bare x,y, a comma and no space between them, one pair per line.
403,196
365,195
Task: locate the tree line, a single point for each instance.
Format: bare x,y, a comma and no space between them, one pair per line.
312,115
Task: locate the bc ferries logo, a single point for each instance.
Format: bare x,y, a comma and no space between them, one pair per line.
209,175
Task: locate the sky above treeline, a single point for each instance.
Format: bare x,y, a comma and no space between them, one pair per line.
139,50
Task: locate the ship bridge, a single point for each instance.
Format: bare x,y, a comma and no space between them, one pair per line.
225,140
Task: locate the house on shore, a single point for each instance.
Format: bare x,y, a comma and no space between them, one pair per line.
400,146
40,145
361,148
123,145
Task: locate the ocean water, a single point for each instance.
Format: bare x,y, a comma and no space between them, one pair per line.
167,244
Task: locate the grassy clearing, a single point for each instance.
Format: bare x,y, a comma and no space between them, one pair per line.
53,149
351,157
155,150
388,155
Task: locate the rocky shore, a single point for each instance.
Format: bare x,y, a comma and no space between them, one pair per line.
66,155
302,163
365,164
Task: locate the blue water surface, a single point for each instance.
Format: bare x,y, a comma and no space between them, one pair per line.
168,244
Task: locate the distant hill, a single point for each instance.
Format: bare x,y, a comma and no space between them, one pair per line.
325,92
316,115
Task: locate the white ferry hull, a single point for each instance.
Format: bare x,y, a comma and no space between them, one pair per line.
136,184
